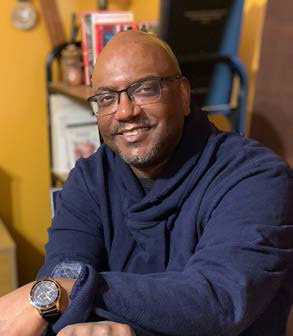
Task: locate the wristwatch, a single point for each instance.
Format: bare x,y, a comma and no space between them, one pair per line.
45,297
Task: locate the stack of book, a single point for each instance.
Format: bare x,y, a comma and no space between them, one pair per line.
97,29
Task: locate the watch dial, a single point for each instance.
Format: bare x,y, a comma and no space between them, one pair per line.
44,293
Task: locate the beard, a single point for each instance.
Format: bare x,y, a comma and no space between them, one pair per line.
145,160
160,150
142,161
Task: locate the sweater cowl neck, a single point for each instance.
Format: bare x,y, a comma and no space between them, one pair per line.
177,179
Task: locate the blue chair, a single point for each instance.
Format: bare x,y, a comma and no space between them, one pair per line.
204,35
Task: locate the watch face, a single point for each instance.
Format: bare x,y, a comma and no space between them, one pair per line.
44,293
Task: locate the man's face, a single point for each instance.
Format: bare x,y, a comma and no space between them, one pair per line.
144,136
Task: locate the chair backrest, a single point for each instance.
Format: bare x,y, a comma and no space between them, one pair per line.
204,35
221,81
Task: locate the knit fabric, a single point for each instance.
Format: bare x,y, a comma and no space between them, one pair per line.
207,251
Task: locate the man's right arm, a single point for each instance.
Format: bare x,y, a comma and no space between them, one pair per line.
19,317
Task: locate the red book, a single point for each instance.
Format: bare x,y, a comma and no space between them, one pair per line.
105,31
95,36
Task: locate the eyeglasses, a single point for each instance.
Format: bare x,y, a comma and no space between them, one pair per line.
143,92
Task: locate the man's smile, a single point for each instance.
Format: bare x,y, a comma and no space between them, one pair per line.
134,134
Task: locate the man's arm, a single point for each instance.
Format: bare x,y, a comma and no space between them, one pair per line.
19,317
76,234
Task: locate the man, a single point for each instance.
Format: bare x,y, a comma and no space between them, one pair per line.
172,227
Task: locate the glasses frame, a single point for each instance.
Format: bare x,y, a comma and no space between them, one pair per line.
118,92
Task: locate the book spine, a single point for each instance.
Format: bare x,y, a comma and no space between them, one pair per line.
90,46
97,40
84,46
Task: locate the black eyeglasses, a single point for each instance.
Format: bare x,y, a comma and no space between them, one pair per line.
143,92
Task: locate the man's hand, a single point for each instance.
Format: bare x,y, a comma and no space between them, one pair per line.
19,317
97,329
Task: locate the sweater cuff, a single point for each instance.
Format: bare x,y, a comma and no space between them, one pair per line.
82,298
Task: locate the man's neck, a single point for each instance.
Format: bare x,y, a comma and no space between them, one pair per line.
149,172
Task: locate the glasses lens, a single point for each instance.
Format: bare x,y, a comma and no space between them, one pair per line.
145,92
104,103
94,105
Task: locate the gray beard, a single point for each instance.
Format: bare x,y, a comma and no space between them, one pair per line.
144,161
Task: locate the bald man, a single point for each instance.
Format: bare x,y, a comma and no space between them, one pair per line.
171,228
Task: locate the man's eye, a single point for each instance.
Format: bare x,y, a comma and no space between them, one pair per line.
146,89
106,99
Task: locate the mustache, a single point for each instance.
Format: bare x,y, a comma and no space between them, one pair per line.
136,122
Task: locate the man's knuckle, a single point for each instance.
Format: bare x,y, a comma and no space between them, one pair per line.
125,330
105,330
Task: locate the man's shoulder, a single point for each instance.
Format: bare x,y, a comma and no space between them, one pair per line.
96,160
232,147
90,170
232,157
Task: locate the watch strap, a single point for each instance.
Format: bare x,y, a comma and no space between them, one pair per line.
51,315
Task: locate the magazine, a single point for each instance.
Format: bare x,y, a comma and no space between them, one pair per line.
74,132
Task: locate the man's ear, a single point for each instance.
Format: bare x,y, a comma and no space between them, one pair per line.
185,95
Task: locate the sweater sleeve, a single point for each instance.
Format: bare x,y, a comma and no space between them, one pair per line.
76,234
239,266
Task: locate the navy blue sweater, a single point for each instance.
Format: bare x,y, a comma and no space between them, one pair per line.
206,252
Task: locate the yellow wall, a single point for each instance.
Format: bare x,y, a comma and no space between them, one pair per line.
24,174
24,164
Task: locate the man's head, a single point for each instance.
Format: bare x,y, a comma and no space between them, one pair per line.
145,130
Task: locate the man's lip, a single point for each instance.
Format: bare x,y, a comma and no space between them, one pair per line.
135,134
133,129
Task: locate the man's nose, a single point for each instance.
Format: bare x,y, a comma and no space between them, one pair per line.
127,109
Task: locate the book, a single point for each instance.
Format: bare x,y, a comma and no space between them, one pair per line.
70,119
82,141
106,17
104,32
94,38
86,45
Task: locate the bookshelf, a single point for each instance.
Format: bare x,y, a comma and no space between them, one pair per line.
80,92
72,127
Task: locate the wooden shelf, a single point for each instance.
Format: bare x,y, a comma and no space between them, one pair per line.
60,178
80,92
